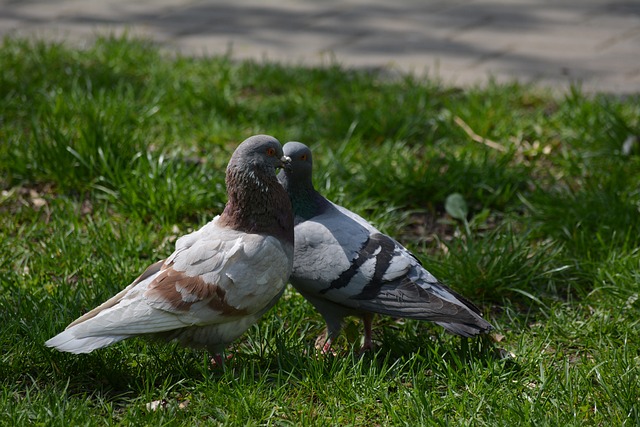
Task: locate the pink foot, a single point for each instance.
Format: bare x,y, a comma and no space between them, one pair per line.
217,361
323,343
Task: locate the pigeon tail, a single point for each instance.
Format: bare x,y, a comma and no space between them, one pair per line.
467,330
69,342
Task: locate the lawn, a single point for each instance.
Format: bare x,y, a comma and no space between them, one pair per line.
108,154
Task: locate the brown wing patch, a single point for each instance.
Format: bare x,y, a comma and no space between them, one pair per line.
151,270
181,291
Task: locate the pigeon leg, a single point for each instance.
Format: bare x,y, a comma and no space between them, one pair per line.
323,343
334,326
218,360
326,348
367,319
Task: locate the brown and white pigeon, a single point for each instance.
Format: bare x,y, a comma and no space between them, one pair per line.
344,266
221,278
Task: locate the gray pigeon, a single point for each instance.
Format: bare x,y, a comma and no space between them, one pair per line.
344,266
221,278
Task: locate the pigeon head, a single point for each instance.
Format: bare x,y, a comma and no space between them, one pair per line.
259,152
257,202
297,180
301,166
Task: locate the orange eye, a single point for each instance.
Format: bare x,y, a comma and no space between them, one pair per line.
271,152
303,157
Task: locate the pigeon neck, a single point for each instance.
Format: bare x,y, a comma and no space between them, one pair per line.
257,203
305,200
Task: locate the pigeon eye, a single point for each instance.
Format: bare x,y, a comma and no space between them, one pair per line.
271,152
303,157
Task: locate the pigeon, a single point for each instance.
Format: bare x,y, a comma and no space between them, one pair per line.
219,280
344,266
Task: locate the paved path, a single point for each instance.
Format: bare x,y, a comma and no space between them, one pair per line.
462,42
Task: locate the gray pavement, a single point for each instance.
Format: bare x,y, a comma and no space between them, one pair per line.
463,42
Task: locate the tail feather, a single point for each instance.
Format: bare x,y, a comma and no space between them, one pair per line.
114,324
466,329
70,342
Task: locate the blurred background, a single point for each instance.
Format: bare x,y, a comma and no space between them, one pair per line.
591,43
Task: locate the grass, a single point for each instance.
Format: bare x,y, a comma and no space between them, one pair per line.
109,154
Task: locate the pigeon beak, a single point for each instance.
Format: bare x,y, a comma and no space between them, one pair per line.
286,162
